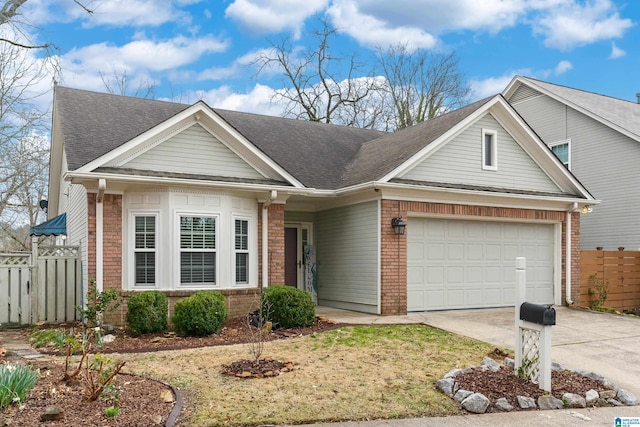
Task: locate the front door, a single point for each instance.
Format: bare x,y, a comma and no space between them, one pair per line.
291,256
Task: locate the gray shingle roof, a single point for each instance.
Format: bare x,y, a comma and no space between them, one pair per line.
382,155
619,112
92,123
318,155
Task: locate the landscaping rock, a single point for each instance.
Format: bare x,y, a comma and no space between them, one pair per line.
550,402
509,362
503,405
462,395
52,413
607,394
157,419
614,402
556,367
445,385
452,373
626,398
526,402
574,400
167,396
490,364
591,397
476,403
108,338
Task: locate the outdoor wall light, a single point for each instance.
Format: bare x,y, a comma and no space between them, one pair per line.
587,209
398,225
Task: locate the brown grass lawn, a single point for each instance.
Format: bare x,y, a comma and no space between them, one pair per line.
351,373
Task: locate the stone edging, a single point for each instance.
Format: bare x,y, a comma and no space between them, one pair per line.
479,403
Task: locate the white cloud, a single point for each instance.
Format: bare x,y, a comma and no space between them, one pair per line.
438,16
272,16
481,88
259,100
135,13
616,52
144,54
572,23
237,68
372,31
563,67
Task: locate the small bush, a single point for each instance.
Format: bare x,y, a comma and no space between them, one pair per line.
147,312
201,314
288,307
15,383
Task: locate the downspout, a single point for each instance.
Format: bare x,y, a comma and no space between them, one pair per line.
102,186
265,237
567,263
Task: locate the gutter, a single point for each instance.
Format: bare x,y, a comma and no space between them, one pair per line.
102,187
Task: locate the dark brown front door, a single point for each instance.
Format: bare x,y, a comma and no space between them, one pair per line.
291,256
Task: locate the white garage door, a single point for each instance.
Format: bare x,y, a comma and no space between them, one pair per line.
471,264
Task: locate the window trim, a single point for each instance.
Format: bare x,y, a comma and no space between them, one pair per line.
245,251
133,214
178,251
493,166
563,142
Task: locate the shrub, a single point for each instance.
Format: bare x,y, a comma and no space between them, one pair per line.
15,383
288,307
147,312
201,314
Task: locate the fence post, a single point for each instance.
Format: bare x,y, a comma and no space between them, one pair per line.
33,287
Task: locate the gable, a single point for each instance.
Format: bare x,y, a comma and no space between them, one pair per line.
459,161
193,151
544,114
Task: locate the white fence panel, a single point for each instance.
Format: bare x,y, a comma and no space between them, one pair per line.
15,276
55,293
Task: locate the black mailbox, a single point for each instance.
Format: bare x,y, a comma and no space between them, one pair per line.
536,313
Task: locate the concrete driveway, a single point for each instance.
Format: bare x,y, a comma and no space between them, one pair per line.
604,343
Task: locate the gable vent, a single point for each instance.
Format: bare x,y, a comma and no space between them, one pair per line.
522,93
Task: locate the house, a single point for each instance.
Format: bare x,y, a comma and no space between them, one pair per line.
598,139
178,198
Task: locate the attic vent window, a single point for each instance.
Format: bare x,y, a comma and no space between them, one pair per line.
489,149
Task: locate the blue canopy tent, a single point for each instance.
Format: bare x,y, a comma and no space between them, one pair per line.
54,227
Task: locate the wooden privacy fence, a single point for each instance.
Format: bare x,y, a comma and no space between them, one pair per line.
44,285
617,271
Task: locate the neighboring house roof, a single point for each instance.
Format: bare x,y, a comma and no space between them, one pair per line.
619,114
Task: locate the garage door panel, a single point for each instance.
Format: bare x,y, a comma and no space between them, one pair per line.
455,297
455,275
470,264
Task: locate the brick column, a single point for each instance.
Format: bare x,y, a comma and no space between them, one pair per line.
393,272
276,244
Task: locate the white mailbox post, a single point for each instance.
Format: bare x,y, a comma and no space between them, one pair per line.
533,334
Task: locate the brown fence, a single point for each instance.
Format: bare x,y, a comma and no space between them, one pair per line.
618,271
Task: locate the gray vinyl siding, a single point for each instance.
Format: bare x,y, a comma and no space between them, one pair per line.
76,207
546,116
195,151
299,216
460,162
605,162
347,257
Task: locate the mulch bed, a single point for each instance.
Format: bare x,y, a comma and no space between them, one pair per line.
505,383
140,402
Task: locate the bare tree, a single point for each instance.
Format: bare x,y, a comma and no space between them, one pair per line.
119,83
421,84
11,16
316,85
23,142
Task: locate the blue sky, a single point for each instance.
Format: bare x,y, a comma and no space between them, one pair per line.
194,49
